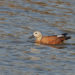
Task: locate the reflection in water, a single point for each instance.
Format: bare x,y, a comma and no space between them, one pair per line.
54,46
57,46
33,50
34,58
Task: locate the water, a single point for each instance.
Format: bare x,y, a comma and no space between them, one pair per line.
19,19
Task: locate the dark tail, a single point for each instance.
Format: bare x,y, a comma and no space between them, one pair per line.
66,37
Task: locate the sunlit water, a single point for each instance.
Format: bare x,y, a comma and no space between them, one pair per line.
19,55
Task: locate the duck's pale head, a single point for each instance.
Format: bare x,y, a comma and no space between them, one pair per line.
37,35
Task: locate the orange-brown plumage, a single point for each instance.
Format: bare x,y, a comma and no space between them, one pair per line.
50,40
56,39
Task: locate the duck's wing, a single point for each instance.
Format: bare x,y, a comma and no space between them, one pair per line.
52,40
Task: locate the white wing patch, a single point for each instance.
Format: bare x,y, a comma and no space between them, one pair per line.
60,35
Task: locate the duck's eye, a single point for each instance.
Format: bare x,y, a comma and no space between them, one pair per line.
35,33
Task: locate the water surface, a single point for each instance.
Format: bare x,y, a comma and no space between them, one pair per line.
19,55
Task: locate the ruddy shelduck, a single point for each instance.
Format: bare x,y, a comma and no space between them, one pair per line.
55,39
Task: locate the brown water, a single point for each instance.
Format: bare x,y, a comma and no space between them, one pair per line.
19,19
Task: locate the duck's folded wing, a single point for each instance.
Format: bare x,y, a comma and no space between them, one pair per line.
52,40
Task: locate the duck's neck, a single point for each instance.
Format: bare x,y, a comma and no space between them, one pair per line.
39,38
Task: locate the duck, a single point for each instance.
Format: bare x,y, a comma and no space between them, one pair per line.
50,40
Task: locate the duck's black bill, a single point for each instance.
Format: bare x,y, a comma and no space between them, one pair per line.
31,37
